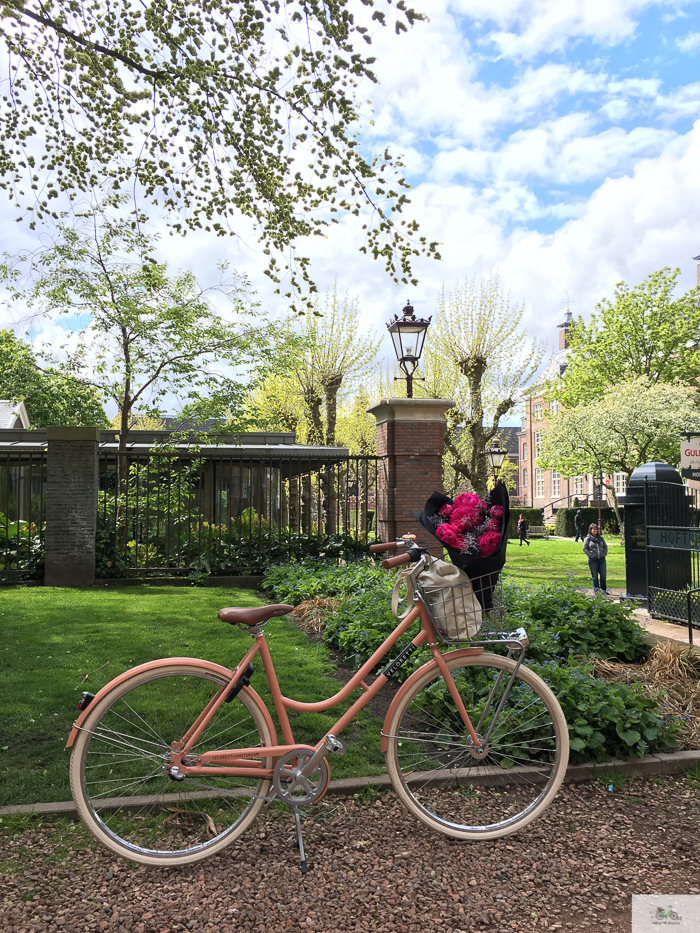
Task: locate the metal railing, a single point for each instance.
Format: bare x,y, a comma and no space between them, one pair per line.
22,514
222,514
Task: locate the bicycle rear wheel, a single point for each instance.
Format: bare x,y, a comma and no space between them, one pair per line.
117,774
431,759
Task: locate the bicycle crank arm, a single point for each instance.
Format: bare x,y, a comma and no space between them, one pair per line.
329,744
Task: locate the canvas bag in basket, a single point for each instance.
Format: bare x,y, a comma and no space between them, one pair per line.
450,596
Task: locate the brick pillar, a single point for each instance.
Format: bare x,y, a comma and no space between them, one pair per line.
410,445
71,506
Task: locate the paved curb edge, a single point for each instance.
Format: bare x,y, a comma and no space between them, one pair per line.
672,763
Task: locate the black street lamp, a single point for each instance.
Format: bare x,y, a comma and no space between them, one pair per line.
408,336
495,454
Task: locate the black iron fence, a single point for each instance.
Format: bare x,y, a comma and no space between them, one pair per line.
164,513
672,532
22,513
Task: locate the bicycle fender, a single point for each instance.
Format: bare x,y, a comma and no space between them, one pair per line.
167,662
459,653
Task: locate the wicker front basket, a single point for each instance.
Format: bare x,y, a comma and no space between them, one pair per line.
458,613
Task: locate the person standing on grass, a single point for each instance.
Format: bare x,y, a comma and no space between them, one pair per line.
595,548
578,525
522,530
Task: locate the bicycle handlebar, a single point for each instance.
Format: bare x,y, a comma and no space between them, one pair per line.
395,561
389,546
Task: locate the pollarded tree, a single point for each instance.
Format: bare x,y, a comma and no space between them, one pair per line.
645,331
478,329
213,110
636,422
51,395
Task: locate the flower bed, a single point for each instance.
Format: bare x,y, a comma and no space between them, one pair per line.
567,631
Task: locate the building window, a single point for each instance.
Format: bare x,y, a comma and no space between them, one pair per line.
539,484
525,480
620,484
524,451
538,441
556,484
554,408
578,485
538,411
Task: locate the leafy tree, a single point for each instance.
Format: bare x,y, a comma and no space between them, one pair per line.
275,404
148,336
645,331
478,329
50,395
214,110
639,421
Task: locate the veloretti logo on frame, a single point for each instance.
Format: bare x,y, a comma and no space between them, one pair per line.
655,912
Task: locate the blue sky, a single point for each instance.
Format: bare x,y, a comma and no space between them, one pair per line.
556,141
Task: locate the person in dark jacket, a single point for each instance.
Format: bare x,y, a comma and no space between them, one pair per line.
522,531
596,549
578,526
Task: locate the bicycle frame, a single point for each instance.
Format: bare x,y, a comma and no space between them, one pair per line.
249,761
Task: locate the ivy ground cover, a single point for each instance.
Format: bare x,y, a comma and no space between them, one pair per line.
567,631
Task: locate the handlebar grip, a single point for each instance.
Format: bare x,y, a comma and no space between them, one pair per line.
378,548
395,561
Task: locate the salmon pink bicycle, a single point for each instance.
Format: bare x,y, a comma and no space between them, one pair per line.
173,760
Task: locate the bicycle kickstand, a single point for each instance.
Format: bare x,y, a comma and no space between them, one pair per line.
300,841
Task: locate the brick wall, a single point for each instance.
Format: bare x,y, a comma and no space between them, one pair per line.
71,506
410,443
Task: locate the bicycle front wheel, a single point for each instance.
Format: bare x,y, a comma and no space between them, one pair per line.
117,768
434,766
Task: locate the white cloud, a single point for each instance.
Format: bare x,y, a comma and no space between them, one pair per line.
526,28
689,43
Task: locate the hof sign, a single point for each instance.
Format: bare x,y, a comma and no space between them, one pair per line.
690,455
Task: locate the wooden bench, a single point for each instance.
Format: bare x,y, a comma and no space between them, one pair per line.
538,531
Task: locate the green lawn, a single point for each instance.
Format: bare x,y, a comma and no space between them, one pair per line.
545,561
50,638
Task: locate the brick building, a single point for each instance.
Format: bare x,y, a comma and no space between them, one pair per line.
547,489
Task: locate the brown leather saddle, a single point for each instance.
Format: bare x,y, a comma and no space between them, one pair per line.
255,616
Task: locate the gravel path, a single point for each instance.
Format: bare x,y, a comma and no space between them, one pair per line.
373,868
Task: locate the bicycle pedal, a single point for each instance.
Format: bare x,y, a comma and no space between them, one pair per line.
334,745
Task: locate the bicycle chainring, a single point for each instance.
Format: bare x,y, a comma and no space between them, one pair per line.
291,786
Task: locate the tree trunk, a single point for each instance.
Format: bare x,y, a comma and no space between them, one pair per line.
331,387
306,504
294,505
473,369
617,514
312,400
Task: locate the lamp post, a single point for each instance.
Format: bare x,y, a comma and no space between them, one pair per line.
495,454
408,336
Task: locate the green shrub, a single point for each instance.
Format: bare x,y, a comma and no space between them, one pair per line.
295,582
531,516
563,624
606,719
564,525
562,620
212,549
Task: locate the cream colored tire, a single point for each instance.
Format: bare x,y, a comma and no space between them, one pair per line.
117,775
437,776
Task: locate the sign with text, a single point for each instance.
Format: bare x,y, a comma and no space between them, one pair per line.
675,539
690,455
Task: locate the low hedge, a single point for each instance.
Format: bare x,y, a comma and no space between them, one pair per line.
531,516
564,525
